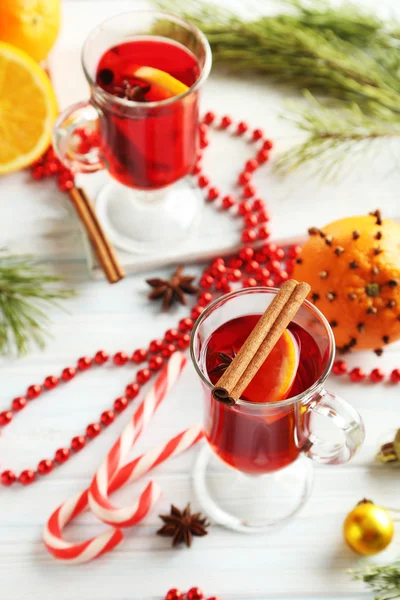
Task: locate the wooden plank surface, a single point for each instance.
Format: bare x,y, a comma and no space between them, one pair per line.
305,560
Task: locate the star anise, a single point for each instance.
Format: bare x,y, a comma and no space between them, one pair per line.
136,93
172,289
182,526
224,362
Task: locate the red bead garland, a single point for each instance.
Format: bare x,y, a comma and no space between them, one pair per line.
376,375
155,346
27,477
8,477
194,593
120,358
395,376
225,122
139,356
62,455
34,391
158,350
120,404
93,430
5,417
339,367
143,376
18,404
132,390
107,417
174,594
357,374
68,373
77,443
101,357
155,363
45,466
84,363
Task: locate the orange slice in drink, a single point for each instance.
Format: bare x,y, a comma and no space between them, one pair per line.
161,79
275,378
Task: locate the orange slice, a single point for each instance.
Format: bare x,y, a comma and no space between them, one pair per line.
275,378
28,109
161,78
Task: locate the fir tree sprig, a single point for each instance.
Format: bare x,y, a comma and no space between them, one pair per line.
334,135
26,293
348,22
384,580
343,53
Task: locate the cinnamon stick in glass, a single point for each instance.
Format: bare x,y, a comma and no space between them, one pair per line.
101,245
260,342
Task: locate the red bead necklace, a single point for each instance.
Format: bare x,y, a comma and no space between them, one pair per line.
268,265
155,355
357,374
194,593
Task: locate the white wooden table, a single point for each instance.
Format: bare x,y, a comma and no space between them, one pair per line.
305,560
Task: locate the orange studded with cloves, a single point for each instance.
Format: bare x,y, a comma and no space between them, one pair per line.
353,267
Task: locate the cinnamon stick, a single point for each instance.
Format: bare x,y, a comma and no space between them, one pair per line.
101,245
260,342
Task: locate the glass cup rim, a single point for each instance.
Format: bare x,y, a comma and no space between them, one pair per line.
315,387
171,17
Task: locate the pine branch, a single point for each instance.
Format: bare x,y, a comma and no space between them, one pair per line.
333,135
26,293
383,580
348,22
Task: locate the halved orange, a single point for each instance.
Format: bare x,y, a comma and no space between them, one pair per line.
28,109
162,79
275,378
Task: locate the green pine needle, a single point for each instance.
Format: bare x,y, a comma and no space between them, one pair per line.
383,580
343,54
334,135
26,293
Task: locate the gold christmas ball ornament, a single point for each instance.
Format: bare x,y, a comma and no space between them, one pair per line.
368,528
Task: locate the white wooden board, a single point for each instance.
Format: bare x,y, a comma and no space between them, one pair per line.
305,560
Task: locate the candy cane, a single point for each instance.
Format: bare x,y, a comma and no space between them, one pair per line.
86,551
90,549
151,459
98,491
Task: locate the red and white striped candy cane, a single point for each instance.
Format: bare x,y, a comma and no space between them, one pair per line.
90,549
98,491
151,459
75,553
125,516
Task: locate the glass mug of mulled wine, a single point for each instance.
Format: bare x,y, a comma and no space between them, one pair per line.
145,70
255,471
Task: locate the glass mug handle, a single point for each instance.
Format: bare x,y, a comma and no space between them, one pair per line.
346,419
76,138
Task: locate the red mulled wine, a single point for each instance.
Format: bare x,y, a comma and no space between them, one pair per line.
264,440
155,145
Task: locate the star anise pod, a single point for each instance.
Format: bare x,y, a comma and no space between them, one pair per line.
182,526
136,92
172,289
224,362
